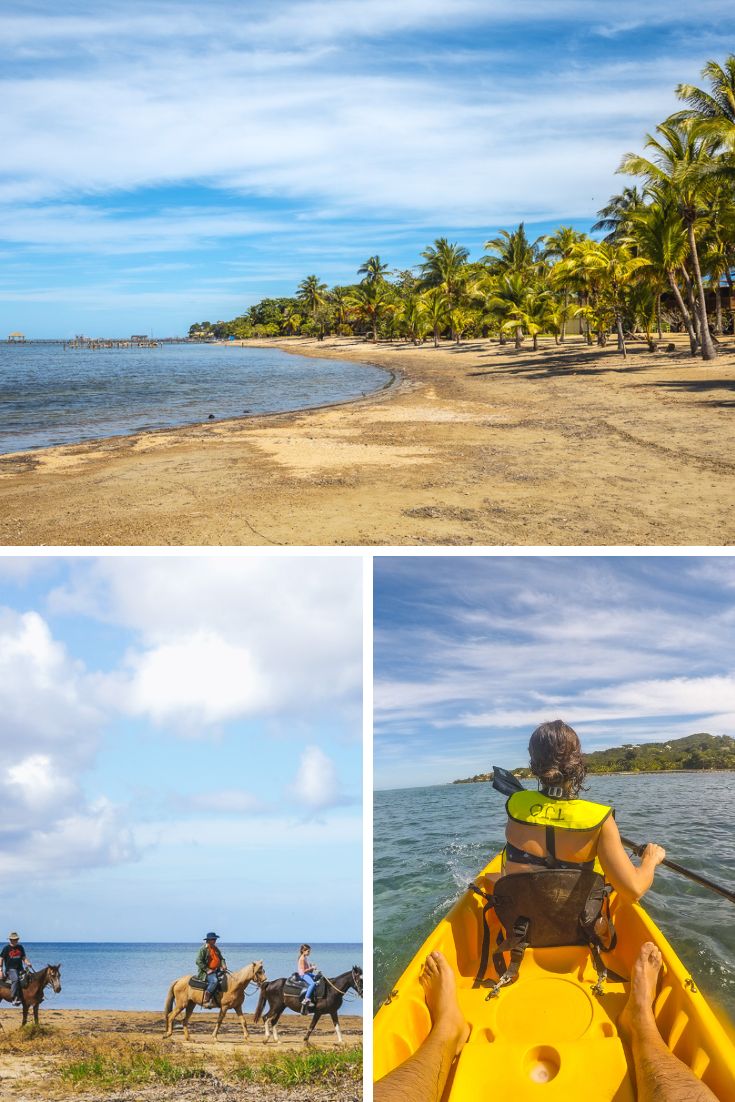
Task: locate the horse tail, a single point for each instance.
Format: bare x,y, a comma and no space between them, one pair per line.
261,1004
169,1000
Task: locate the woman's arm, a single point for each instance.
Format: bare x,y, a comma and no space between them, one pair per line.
630,881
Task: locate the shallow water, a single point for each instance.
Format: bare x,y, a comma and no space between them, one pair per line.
135,976
430,842
49,395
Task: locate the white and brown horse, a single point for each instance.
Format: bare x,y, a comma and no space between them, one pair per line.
31,996
183,997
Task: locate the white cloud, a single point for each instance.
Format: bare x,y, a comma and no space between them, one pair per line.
196,680
316,786
228,637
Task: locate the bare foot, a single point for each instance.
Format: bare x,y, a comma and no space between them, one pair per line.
440,991
637,1014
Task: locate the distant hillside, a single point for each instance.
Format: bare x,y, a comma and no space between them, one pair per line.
700,751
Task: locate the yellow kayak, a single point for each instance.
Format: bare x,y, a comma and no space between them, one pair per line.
548,1036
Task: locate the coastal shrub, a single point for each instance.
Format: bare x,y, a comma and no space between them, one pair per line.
118,1064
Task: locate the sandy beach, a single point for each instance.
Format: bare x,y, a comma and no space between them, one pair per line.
473,444
31,1067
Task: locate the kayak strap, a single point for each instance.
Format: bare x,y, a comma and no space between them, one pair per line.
485,946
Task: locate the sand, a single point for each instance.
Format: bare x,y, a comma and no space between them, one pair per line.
28,1077
473,444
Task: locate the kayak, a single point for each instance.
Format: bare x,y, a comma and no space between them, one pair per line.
548,1035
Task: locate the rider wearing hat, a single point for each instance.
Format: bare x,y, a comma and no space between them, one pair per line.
210,963
13,963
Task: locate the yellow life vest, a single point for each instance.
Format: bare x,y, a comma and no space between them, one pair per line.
539,810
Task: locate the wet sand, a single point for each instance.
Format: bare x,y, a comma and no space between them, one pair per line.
473,444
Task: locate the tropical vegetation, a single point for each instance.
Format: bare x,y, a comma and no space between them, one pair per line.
700,751
661,257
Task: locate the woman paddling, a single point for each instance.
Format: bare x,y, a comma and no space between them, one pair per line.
555,828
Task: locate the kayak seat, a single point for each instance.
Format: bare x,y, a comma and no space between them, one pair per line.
544,908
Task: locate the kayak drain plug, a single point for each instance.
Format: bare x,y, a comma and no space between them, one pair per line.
542,1064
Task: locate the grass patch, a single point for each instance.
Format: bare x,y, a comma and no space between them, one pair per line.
291,1069
115,1065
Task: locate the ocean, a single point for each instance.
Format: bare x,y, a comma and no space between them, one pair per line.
49,395
430,842
136,976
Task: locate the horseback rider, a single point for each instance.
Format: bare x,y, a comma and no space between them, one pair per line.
210,964
13,964
307,972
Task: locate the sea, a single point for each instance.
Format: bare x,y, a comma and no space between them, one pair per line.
51,395
136,975
429,843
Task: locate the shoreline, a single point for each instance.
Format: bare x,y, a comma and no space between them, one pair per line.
471,444
393,378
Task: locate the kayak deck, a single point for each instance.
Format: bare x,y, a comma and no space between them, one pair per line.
548,1035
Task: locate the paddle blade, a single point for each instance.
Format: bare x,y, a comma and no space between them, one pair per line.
505,782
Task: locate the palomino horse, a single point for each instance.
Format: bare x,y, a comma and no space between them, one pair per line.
278,1001
32,994
186,998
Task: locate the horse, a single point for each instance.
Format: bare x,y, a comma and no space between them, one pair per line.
32,994
186,998
278,1001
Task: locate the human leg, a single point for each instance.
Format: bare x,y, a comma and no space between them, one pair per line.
424,1075
660,1076
209,992
14,977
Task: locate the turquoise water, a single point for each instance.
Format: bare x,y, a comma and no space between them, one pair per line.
430,842
119,976
49,395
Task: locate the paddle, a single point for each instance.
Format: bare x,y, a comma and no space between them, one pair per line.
505,782
694,876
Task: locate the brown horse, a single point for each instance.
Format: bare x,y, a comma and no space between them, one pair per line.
275,996
32,994
187,998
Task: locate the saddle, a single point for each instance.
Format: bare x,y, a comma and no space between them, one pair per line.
294,986
200,985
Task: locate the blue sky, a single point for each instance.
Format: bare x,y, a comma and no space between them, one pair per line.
182,747
471,654
166,162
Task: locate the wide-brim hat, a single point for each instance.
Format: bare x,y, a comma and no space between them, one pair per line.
210,936
13,936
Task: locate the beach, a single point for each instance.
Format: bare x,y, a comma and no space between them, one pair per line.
41,1066
473,444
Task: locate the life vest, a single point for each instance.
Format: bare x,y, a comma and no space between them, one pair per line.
558,903
553,813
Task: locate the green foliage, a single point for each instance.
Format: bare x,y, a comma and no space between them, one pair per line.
131,1067
671,232
291,1069
700,751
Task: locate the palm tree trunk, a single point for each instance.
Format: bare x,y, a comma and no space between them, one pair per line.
436,336
658,315
535,342
621,336
564,318
708,348
686,316
519,336
718,308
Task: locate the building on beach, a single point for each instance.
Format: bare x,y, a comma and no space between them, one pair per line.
16,338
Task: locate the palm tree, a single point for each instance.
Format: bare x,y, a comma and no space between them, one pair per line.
340,299
513,252
372,302
680,170
558,246
312,294
373,269
437,310
444,267
661,239
713,112
615,216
